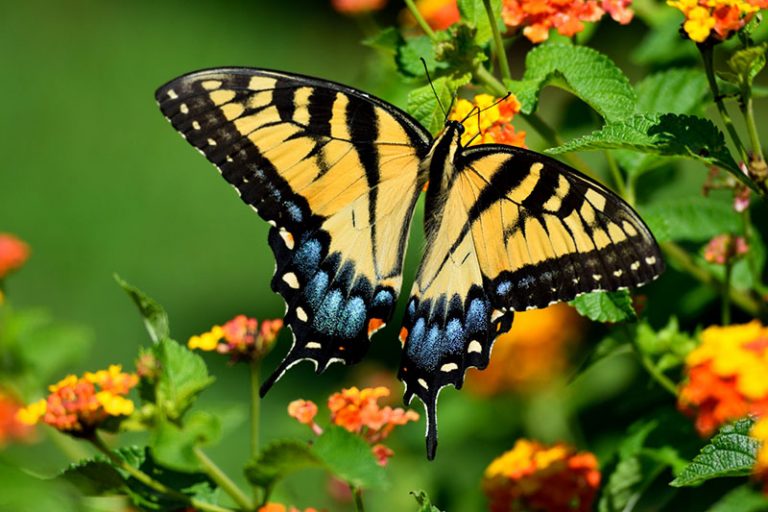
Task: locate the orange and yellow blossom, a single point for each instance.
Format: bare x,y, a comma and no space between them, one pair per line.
278,507
352,7
533,352
439,14
726,376
487,120
13,254
534,477
11,426
718,19
241,338
79,405
537,17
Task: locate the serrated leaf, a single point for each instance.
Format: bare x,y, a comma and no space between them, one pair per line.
155,317
388,39
93,477
747,63
672,135
425,505
173,445
692,219
409,54
606,306
183,375
349,457
279,459
473,12
741,499
732,452
586,73
424,105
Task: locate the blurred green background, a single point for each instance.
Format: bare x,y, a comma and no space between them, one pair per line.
97,182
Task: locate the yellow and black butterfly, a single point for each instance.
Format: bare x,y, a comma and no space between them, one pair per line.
337,172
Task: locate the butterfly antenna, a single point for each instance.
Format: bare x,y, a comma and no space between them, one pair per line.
429,79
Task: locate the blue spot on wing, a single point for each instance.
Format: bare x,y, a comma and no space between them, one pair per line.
294,211
477,316
316,288
307,256
453,341
352,317
326,316
383,298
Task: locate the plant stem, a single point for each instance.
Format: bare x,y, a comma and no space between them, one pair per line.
680,257
501,53
255,418
657,375
150,482
707,53
358,495
754,138
725,312
420,19
222,480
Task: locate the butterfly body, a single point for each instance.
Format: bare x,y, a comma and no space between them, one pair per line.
337,173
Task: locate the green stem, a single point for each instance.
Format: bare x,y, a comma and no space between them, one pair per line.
707,53
420,19
150,482
222,480
358,495
680,258
725,312
501,53
657,375
618,179
255,417
754,138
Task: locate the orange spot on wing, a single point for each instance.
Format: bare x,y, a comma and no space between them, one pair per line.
374,325
403,335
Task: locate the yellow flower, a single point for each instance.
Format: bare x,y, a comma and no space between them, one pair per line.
699,24
115,405
488,120
32,413
208,340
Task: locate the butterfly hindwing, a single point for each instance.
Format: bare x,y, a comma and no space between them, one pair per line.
336,174
517,231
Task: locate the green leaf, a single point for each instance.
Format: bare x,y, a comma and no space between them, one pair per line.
741,499
425,505
174,445
349,457
22,492
746,64
473,12
586,73
679,91
409,54
662,45
93,477
424,105
693,219
730,453
667,135
279,459
388,40
606,306
183,375
155,317
668,347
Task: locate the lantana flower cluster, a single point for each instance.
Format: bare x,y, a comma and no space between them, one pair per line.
358,411
242,338
11,428
726,376
537,17
488,120
718,19
278,507
79,405
532,476
725,248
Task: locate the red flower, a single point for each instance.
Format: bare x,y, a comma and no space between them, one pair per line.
358,6
13,254
241,338
11,427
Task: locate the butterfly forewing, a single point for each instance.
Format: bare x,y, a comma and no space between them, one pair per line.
517,231
334,171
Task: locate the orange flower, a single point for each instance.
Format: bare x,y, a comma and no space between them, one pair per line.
716,19
487,120
11,427
533,477
277,507
439,14
726,376
531,353
724,249
13,254
537,17
352,7
358,411
241,338
78,406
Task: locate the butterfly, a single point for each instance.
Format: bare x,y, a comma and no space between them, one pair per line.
337,174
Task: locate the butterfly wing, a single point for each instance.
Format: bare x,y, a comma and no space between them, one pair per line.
517,231
334,171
